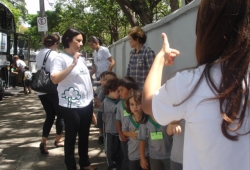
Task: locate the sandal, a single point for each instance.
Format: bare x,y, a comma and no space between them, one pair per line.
43,148
59,144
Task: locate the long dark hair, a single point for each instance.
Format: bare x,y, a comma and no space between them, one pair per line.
137,95
51,40
94,39
223,37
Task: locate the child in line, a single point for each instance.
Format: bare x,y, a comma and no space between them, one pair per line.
113,149
131,126
27,79
177,129
13,74
126,85
159,145
98,99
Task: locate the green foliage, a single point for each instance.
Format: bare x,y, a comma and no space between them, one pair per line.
19,4
15,11
101,18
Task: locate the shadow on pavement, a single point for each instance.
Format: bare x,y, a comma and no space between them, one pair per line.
21,121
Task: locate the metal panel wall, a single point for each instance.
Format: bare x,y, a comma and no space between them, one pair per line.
180,29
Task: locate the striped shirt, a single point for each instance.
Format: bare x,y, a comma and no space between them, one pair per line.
140,64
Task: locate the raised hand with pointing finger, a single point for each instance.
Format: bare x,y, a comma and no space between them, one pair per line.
165,57
168,53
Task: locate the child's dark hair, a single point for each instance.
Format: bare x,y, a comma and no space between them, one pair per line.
128,83
103,74
137,95
111,85
110,73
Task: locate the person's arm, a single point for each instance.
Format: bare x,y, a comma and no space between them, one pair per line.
97,102
174,128
112,63
128,69
119,129
131,134
59,76
166,57
143,161
150,56
93,70
18,68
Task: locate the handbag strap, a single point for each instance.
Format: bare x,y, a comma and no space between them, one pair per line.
45,58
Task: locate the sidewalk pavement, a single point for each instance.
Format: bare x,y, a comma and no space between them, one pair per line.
21,121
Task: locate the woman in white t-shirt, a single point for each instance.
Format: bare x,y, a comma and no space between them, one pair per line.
213,98
102,58
50,101
69,70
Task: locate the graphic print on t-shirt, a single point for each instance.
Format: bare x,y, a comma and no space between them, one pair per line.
71,95
82,71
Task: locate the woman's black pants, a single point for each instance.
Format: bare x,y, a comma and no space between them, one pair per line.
51,106
77,121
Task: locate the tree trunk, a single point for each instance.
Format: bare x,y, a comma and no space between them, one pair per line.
136,6
188,1
127,12
174,5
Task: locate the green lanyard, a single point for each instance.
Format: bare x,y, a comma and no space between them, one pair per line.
125,113
156,125
134,123
155,135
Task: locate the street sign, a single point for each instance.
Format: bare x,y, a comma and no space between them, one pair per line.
42,24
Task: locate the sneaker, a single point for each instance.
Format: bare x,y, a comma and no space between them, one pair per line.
100,140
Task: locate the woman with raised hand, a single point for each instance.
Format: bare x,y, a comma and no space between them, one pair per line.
50,101
75,92
213,98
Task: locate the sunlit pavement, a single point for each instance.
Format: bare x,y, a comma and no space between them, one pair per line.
21,120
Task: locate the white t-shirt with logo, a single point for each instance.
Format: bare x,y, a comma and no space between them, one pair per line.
75,90
101,60
39,61
205,147
21,64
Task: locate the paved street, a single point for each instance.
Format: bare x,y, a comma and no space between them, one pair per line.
21,120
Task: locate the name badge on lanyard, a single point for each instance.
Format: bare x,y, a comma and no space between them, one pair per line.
125,113
156,135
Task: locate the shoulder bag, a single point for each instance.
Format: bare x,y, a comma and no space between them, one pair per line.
41,81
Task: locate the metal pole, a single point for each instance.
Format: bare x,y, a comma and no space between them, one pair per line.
42,14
